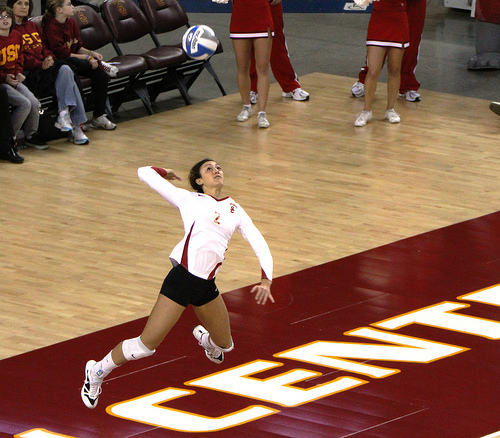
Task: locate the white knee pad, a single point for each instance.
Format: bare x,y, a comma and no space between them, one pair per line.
134,349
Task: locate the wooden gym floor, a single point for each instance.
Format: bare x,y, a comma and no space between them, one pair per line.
365,224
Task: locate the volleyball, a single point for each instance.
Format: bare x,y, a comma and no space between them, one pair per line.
200,42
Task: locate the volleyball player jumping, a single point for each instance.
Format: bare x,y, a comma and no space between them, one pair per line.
209,222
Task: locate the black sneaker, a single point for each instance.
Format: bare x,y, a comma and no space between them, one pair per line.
36,142
12,156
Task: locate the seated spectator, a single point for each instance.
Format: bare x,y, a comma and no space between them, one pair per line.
8,149
62,36
26,105
46,75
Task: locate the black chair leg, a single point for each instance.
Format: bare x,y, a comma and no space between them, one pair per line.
143,94
109,110
211,70
181,86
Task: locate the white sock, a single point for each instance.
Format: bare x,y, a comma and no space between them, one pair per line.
105,366
214,345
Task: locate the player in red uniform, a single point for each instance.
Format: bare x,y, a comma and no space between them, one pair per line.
415,10
252,28
387,36
280,61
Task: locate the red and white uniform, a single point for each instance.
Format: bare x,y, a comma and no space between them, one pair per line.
415,11
280,59
209,224
251,19
388,25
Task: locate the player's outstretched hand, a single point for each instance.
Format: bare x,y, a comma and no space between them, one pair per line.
263,292
171,175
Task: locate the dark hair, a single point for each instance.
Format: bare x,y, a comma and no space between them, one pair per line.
10,13
194,174
10,4
50,9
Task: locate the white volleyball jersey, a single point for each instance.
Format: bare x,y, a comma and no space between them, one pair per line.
209,224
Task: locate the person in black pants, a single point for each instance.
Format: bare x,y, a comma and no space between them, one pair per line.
8,150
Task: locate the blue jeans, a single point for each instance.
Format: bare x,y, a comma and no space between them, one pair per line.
68,95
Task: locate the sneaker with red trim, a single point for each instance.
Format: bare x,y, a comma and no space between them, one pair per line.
110,69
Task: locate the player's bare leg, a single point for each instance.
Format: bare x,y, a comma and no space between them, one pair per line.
216,337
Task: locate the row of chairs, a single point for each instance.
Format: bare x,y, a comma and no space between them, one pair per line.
145,75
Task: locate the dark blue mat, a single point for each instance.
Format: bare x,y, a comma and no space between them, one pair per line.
293,6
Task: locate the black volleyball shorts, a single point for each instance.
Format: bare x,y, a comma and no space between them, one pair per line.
185,288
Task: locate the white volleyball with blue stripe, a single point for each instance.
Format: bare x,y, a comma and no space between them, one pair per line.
200,42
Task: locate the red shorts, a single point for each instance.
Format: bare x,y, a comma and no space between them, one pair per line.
251,19
388,29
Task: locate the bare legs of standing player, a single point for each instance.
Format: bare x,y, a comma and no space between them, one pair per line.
243,53
376,56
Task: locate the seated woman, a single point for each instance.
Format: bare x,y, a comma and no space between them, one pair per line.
25,113
45,75
62,36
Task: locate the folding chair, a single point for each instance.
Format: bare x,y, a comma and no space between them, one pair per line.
131,68
128,23
169,15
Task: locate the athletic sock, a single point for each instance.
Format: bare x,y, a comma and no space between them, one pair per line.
105,366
